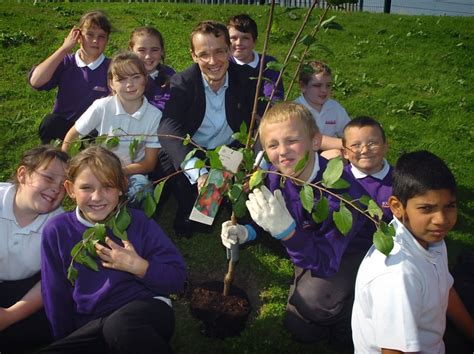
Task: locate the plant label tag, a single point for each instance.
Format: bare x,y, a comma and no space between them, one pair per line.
230,158
210,196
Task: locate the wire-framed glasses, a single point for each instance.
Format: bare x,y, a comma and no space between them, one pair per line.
358,148
219,54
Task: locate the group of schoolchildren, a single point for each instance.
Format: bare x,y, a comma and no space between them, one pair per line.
344,291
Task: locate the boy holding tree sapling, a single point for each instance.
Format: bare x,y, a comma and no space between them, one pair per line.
320,300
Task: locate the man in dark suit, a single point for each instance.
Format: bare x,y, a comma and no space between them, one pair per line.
209,101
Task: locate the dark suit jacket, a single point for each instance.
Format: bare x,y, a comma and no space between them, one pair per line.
185,110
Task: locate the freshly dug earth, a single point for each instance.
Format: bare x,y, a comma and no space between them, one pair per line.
223,316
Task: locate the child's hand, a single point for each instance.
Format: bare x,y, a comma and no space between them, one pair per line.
122,258
72,39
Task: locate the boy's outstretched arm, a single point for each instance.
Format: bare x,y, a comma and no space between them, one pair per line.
458,313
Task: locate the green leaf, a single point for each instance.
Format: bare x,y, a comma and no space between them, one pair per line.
189,155
87,233
132,148
214,160
321,211
149,205
88,261
75,249
112,142
249,159
333,172
199,163
237,198
307,197
243,128
340,184
329,20
273,65
72,274
89,246
343,219
101,139
120,234
158,190
187,140
256,179
307,40
123,219
74,148
302,163
374,210
383,238
365,200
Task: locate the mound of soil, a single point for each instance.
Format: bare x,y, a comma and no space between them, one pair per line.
223,316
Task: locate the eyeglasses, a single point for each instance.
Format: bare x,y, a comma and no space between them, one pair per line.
219,54
357,148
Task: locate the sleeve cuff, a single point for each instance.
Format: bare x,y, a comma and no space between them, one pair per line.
251,233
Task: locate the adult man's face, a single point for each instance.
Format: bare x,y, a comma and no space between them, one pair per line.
211,53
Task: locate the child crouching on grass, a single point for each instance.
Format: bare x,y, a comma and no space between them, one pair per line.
401,301
125,306
320,300
128,115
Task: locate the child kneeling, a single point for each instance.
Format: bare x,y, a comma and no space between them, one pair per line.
124,307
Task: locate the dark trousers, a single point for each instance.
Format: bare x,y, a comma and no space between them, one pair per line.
320,308
54,126
32,331
179,185
140,327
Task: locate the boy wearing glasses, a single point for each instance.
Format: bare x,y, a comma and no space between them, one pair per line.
365,145
209,101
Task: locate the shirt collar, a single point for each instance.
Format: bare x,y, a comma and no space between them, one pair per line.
380,175
137,115
94,65
8,213
83,220
154,74
223,87
315,168
253,63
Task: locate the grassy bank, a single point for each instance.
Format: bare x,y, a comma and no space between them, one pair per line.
414,74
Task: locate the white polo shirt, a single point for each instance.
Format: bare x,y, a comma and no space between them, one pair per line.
401,300
19,246
331,120
108,116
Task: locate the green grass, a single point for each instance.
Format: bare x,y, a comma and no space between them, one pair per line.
413,73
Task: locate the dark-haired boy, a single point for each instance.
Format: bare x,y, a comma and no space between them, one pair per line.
401,301
365,145
243,36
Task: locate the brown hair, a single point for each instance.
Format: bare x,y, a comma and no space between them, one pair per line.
361,122
281,112
103,163
208,27
125,64
34,158
244,23
97,18
313,68
147,31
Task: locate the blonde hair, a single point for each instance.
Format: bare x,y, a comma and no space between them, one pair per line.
313,68
103,163
34,158
281,112
125,64
97,18
147,31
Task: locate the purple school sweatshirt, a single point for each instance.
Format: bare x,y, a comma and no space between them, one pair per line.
97,294
320,247
157,90
77,87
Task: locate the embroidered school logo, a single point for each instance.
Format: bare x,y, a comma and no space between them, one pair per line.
331,122
100,89
306,224
385,204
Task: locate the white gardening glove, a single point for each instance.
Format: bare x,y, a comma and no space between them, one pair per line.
233,234
270,213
